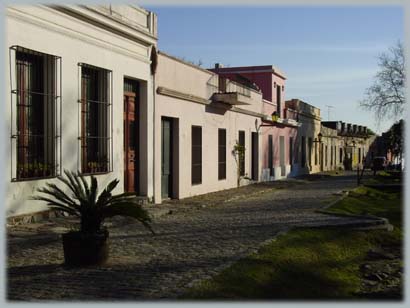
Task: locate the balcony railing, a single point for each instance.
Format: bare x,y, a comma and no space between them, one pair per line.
229,86
291,114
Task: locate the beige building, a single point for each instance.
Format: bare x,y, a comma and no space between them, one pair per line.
307,152
347,143
199,118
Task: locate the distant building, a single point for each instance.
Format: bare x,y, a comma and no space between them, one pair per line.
351,147
278,129
307,141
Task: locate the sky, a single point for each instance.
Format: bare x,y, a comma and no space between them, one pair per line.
328,54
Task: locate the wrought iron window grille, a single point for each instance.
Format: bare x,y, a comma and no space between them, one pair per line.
95,119
35,132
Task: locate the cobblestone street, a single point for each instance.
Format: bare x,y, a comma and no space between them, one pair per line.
195,239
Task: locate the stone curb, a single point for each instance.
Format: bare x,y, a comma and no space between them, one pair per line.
370,221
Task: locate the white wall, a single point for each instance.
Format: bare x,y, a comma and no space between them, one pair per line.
45,30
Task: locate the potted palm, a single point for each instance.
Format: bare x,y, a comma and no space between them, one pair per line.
89,244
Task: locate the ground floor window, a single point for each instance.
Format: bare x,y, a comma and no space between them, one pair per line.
96,119
291,152
270,155
303,145
331,155
221,154
242,157
196,155
36,113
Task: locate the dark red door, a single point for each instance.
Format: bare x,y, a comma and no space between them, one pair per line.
130,137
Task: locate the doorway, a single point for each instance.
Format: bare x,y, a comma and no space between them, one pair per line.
255,156
282,155
131,135
166,158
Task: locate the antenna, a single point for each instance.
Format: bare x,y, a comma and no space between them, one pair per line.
328,111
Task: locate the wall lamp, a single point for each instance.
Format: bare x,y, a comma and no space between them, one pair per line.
319,138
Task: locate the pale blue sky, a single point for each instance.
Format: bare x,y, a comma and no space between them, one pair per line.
329,54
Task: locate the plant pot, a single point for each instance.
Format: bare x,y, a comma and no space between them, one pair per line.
82,249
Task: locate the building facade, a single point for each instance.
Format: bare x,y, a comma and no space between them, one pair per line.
199,118
351,146
87,91
279,127
77,74
308,154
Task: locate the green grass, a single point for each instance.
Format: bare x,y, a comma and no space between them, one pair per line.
365,200
310,264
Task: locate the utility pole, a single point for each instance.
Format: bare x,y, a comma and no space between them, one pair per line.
328,111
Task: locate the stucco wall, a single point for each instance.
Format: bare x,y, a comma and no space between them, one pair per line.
49,31
177,75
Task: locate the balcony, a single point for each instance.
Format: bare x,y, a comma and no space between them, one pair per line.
232,93
290,114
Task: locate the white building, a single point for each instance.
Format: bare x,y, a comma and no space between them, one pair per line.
74,73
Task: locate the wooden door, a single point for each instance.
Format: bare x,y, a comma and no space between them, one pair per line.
166,158
131,133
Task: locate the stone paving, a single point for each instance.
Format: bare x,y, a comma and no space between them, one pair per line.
195,239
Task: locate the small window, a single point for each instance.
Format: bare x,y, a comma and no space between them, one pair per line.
331,155
270,155
310,146
96,119
196,142
303,145
360,155
291,153
36,113
221,154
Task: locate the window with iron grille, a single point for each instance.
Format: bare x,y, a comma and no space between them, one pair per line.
35,80
360,157
196,143
331,155
303,145
291,152
221,154
270,155
242,157
96,119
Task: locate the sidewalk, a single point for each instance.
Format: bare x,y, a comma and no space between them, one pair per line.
196,238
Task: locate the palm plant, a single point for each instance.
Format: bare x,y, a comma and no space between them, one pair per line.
90,207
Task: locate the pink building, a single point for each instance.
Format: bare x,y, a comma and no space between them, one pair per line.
279,129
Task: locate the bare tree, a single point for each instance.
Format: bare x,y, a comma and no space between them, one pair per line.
385,97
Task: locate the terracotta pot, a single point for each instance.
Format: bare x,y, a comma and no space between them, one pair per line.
82,249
